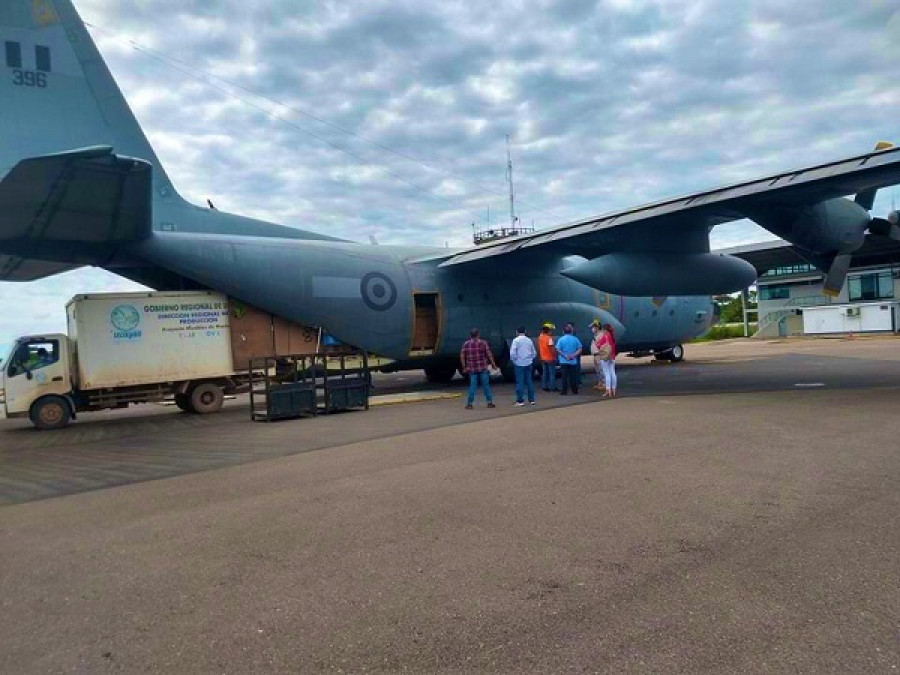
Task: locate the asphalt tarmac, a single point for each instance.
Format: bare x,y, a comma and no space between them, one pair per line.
734,513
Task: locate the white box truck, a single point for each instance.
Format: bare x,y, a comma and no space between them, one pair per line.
123,348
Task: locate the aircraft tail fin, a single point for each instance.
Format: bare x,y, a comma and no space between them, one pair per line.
58,95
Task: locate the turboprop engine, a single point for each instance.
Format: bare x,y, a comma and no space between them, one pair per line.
658,273
830,231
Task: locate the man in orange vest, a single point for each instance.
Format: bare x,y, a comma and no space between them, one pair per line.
547,352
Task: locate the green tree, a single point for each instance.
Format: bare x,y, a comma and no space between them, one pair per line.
732,309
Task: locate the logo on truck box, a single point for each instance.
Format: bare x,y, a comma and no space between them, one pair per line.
125,320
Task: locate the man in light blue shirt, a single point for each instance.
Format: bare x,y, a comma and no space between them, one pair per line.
568,349
522,353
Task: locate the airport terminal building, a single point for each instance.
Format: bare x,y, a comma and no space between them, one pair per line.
791,300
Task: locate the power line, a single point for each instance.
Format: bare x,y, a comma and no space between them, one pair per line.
274,116
176,64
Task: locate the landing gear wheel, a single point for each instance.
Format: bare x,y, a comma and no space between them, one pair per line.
440,374
50,412
508,372
183,401
206,398
673,355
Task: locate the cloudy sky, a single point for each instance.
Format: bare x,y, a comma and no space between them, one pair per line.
388,118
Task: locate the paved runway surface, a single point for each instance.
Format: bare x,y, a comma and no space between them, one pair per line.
733,513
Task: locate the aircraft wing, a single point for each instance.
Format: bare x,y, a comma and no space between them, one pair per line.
681,224
62,211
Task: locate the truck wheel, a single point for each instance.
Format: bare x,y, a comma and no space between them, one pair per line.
183,401
50,412
206,398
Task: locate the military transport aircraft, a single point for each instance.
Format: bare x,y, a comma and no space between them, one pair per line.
82,186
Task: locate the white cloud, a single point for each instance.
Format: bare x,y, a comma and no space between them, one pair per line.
450,188
356,175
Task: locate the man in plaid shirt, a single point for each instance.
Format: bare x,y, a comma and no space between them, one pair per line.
475,358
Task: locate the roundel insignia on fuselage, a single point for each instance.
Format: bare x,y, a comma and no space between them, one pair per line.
378,291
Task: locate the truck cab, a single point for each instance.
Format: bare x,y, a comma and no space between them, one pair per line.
36,380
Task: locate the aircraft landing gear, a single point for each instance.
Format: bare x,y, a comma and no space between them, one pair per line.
439,374
673,355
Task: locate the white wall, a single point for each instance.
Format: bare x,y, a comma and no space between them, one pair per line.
872,317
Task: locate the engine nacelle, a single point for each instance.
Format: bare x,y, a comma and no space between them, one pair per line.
825,228
650,274
833,225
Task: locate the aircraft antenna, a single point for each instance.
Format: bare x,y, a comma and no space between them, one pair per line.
512,194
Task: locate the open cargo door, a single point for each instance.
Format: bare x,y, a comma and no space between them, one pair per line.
426,329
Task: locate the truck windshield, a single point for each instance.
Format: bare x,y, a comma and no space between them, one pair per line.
5,352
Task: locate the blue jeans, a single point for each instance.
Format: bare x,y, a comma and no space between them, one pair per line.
484,379
548,375
524,381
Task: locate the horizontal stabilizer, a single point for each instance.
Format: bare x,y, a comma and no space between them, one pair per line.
75,208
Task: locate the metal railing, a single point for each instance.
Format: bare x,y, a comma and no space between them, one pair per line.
777,316
494,233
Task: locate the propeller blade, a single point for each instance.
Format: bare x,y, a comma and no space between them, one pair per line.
834,282
866,198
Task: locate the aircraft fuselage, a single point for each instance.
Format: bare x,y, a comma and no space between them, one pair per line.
398,303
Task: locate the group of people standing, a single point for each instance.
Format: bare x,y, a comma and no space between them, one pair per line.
476,358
